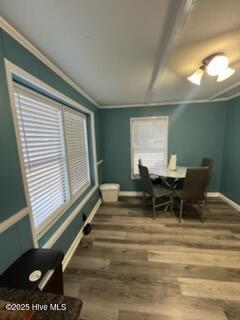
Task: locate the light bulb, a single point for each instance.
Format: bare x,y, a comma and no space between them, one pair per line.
217,65
228,72
196,76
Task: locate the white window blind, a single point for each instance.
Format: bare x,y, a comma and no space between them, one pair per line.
149,137
77,150
41,134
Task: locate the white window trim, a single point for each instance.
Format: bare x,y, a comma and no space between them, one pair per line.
13,70
82,190
137,177
54,216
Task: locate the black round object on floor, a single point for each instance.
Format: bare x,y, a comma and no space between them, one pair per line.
87,229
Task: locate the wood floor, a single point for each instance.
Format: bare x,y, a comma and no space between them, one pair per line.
132,267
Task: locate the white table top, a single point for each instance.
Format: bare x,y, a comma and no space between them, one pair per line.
180,173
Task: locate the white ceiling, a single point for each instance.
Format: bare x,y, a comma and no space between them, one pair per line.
132,51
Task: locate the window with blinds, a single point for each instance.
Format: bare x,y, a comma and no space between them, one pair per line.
149,142
54,149
77,150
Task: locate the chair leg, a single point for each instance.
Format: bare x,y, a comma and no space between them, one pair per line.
154,207
166,208
202,210
206,199
171,204
144,196
205,202
181,211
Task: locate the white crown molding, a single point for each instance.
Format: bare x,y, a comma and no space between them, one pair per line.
159,104
79,236
234,96
9,222
226,90
24,42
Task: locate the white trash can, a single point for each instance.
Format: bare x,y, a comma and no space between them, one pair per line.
109,192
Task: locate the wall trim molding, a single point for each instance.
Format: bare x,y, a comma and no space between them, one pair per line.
99,162
159,104
219,93
139,194
230,202
79,236
50,242
213,194
30,47
9,222
235,96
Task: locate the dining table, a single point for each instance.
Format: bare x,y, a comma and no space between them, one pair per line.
170,178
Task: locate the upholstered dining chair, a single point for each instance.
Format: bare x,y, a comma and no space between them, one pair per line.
208,163
194,189
155,179
154,192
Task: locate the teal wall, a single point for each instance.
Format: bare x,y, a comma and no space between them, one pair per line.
195,131
230,182
17,239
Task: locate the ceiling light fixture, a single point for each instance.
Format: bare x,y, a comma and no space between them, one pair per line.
196,77
214,65
217,64
228,72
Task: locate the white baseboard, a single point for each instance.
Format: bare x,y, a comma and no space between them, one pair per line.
230,202
79,236
130,193
139,193
209,194
213,194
